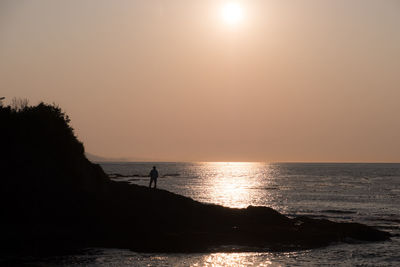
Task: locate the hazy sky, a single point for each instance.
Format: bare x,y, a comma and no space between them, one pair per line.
172,80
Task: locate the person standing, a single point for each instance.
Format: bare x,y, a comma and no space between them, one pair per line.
153,177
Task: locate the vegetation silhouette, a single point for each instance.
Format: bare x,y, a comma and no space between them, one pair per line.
54,198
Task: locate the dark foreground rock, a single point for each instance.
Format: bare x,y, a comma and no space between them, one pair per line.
53,198
148,220
171,223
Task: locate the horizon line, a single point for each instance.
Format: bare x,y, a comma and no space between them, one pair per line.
266,162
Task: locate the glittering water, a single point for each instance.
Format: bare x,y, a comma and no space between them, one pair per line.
366,193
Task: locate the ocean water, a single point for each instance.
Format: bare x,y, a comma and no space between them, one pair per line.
365,193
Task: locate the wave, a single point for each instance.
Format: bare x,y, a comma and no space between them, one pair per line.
389,220
118,175
388,227
339,211
171,175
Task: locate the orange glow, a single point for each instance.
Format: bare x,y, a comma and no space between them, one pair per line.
206,80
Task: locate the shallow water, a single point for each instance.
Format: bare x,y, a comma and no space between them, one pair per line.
366,193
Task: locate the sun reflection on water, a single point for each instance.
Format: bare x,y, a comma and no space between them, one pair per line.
235,184
231,259
247,259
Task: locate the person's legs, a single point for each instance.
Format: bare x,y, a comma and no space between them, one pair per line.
155,183
151,181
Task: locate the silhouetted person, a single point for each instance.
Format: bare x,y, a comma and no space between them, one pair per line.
153,177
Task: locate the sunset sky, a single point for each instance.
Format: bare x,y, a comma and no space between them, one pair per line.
209,80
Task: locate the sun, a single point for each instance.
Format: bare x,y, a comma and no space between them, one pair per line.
232,13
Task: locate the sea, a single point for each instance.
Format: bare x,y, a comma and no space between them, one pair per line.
367,193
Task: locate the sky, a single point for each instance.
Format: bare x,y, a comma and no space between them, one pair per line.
182,80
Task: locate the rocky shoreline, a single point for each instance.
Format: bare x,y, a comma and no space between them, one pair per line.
166,222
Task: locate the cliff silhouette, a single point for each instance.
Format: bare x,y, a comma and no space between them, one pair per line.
53,197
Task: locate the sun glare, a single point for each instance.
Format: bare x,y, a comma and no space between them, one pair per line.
232,13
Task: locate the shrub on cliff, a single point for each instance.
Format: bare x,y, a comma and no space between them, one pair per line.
36,135
44,171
